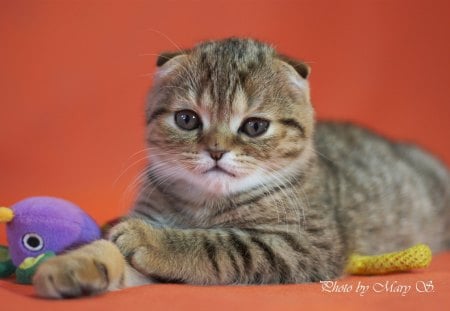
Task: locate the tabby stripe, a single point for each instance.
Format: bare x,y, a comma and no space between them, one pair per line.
275,261
276,188
315,275
337,202
263,221
161,279
145,208
285,236
291,153
232,94
315,230
175,202
257,189
257,278
294,124
323,245
158,112
291,241
212,254
171,196
263,195
268,253
145,215
301,265
236,270
252,200
313,216
242,250
145,204
231,206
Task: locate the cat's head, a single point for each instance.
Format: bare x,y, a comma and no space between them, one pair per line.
227,116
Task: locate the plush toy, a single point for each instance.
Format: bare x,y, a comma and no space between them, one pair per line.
415,257
37,228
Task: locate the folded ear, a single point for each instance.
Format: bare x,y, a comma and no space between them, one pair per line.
164,57
302,69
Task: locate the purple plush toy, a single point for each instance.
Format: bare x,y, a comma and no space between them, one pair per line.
45,225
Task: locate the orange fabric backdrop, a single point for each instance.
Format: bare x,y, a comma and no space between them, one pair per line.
74,75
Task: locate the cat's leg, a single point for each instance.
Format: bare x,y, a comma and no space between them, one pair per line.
226,256
91,269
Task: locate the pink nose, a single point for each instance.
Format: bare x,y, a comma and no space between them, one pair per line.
216,154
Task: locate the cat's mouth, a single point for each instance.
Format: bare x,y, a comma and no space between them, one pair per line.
218,169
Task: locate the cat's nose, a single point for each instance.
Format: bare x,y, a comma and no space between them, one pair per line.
216,154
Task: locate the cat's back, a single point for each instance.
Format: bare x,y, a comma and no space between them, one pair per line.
352,147
392,190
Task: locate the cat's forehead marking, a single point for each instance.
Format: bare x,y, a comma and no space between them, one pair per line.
232,113
239,108
205,101
205,106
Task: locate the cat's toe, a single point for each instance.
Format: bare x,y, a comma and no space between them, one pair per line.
131,235
70,277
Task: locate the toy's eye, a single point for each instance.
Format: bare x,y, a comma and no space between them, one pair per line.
33,242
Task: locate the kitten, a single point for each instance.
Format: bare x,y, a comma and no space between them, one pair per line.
243,188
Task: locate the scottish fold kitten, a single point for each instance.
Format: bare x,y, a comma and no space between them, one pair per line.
243,187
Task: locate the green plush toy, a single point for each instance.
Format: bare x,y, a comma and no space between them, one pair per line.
6,265
25,271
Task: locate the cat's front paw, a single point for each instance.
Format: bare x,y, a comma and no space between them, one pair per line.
136,240
91,269
70,276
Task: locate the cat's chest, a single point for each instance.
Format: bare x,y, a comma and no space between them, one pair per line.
245,211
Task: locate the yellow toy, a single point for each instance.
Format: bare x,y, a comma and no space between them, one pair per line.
415,257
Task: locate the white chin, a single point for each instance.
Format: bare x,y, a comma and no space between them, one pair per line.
217,183
222,184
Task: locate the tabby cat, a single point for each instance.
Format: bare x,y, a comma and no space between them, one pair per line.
243,187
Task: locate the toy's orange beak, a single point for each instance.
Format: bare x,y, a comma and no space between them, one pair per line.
6,214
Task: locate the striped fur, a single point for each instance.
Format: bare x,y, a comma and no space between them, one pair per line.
288,206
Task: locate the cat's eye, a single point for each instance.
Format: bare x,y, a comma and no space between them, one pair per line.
187,120
254,127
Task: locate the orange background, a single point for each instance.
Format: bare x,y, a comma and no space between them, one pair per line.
74,76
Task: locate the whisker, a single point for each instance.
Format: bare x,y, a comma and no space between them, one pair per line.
166,37
283,192
128,168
